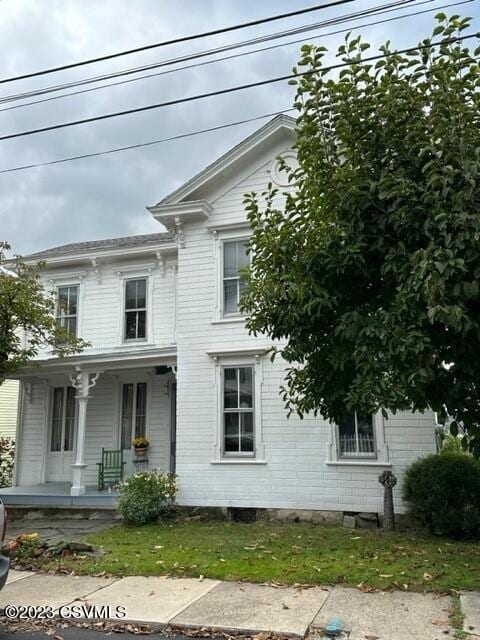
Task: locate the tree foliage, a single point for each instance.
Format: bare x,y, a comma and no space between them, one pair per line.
27,317
367,270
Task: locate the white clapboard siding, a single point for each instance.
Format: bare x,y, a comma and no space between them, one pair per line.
100,319
296,474
8,408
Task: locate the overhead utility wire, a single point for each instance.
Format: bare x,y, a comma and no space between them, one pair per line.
196,36
220,92
149,143
377,10
245,53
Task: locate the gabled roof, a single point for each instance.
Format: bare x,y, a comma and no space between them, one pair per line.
274,126
126,242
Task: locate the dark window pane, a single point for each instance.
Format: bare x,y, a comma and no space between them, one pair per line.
230,296
69,420
242,285
230,262
62,300
71,326
130,325
246,435
231,435
141,409
246,387
366,438
141,324
131,294
243,258
348,438
141,294
57,419
72,301
127,415
230,389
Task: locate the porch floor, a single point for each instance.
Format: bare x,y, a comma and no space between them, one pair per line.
57,494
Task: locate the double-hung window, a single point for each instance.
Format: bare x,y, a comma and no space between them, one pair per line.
67,306
63,419
135,309
134,412
238,411
235,259
356,436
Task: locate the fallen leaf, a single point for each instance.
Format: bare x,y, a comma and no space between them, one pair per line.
441,623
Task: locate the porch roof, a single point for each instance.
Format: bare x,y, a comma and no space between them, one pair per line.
107,361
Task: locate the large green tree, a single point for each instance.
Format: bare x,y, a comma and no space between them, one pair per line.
368,271
27,316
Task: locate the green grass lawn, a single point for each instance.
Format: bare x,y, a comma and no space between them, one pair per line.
285,553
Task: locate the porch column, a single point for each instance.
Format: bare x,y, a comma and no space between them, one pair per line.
82,382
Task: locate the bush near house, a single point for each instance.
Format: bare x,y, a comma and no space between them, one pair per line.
7,458
443,493
452,444
143,496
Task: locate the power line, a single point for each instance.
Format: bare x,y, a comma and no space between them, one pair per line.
150,143
240,55
379,9
220,92
196,36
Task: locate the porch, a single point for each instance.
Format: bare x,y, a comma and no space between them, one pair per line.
57,494
71,410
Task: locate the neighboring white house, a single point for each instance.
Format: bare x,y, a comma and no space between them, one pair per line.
8,408
170,358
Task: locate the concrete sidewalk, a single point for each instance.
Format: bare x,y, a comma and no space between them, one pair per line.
245,607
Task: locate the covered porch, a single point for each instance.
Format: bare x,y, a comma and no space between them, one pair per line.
71,410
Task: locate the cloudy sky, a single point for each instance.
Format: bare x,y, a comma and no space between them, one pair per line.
106,196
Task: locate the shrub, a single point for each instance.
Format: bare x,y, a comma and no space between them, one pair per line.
143,496
7,458
452,444
443,494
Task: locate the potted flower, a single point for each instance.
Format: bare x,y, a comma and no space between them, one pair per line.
140,444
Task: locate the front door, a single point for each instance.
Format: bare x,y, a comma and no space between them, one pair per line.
173,427
62,435
133,422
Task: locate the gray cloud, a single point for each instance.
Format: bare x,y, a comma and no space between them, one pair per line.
106,196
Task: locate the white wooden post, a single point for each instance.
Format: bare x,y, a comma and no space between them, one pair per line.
83,383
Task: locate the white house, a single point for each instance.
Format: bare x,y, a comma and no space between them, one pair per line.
170,358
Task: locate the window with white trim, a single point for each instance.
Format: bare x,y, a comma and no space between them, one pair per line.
235,259
238,411
135,309
356,436
134,412
67,308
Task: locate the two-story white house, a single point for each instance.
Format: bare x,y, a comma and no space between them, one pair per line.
170,359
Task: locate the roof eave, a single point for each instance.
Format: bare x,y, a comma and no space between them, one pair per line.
104,255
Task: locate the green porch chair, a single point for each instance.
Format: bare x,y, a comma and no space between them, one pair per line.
110,469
